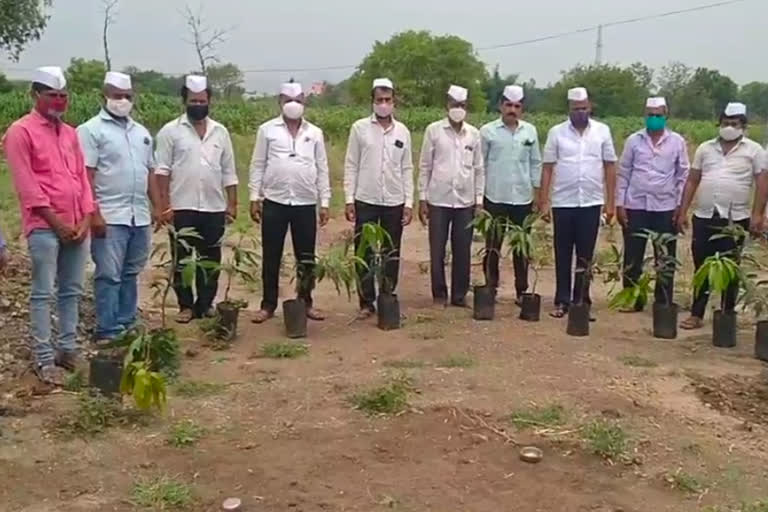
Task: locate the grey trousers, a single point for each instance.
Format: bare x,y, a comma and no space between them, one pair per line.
456,222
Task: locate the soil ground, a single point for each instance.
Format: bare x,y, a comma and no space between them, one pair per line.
282,435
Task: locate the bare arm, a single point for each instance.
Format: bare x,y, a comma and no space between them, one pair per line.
761,195
689,192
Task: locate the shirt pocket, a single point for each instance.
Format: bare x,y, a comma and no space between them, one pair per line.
211,154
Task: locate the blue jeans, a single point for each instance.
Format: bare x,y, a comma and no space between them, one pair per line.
52,263
119,257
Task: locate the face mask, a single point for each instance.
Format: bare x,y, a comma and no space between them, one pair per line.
383,109
457,115
655,123
54,108
579,118
197,112
293,110
730,133
119,108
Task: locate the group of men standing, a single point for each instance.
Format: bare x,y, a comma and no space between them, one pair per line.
107,181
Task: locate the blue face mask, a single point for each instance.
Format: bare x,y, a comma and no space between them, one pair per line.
655,123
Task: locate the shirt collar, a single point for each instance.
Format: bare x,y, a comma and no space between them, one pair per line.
106,116
280,121
40,118
718,147
446,124
499,123
644,133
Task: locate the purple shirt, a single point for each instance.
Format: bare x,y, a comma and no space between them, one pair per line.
652,177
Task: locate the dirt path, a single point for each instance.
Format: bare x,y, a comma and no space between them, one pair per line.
282,435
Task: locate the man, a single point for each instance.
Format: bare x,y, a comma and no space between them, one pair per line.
289,176
451,184
724,172
579,166
46,162
378,182
652,173
118,156
513,177
197,183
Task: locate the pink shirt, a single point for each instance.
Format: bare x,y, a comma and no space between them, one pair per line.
48,170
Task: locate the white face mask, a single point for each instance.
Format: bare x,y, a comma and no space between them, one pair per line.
457,115
383,109
120,108
293,110
730,133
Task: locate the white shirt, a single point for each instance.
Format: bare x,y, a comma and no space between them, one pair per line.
451,171
727,180
200,169
378,168
288,170
579,175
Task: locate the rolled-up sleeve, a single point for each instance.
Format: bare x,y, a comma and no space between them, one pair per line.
551,147
351,166
228,166
89,145
625,171
608,149
425,164
258,165
18,154
164,152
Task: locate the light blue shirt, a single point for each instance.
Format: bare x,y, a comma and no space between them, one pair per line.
512,162
121,152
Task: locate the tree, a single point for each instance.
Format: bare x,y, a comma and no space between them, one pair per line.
643,75
154,82
226,79
720,88
422,66
205,39
755,96
494,87
614,91
85,75
110,16
21,21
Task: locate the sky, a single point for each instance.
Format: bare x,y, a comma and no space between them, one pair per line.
321,33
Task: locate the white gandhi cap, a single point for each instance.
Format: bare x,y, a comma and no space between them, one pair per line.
196,83
657,102
735,109
119,80
514,93
458,93
52,76
384,83
291,90
578,94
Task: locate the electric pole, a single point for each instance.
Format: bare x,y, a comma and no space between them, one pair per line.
599,46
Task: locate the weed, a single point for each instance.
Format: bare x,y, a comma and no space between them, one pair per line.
185,433
684,482
161,493
549,416
284,350
93,415
404,364
638,362
193,388
606,439
456,361
391,398
421,318
75,381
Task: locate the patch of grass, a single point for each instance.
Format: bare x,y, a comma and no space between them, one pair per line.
685,482
161,493
456,361
93,415
606,439
422,318
549,416
185,433
196,388
693,448
427,332
284,350
638,362
757,506
390,398
75,381
404,364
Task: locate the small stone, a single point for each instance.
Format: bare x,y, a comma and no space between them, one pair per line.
191,353
231,504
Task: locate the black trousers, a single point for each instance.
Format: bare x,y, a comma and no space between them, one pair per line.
457,222
634,249
275,221
210,226
575,229
391,219
703,247
516,214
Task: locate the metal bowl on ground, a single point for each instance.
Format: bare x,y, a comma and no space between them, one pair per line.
531,454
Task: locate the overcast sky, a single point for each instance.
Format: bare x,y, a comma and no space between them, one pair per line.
319,33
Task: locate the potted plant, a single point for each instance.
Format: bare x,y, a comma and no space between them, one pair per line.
521,242
579,312
142,377
377,244
242,264
484,296
754,296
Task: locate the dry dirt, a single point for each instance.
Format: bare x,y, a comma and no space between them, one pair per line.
282,435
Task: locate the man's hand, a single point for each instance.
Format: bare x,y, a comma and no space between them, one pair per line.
65,232
3,258
324,216
82,230
478,210
682,223
407,215
610,213
756,224
98,226
231,213
545,210
621,217
349,212
423,212
257,207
